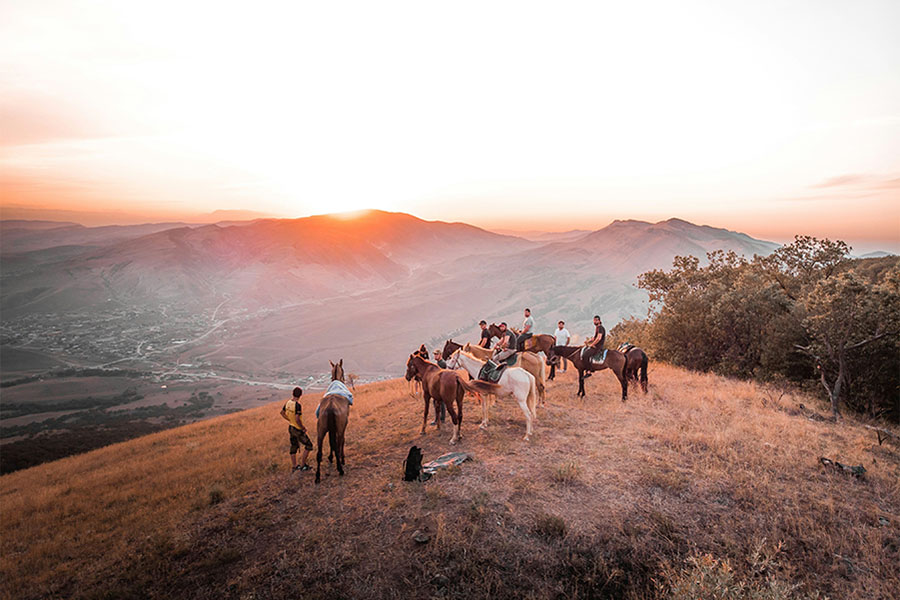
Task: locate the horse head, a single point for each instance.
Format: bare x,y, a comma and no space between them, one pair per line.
552,357
412,366
337,370
453,359
449,348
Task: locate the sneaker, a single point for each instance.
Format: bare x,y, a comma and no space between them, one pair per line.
433,422
295,468
304,468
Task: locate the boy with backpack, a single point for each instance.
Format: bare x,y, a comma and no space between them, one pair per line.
291,413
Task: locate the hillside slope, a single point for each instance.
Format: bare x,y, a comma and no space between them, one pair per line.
607,500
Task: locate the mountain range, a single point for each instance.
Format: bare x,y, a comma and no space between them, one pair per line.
274,296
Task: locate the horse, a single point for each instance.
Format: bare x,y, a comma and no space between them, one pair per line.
539,342
615,362
636,361
443,385
334,412
514,382
529,362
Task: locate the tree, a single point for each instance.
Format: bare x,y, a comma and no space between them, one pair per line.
844,314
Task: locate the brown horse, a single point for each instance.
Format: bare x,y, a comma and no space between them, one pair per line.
539,342
636,363
334,412
615,362
442,385
529,362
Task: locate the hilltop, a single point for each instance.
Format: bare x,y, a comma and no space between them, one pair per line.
704,477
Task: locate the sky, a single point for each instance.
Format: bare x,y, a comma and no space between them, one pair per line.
771,118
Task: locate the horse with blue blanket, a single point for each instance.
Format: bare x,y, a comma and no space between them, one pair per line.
610,359
332,415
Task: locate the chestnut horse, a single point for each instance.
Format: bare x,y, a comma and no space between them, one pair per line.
615,362
530,362
443,385
334,412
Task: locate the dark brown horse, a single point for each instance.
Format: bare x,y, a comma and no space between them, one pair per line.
442,385
615,362
334,412
636,366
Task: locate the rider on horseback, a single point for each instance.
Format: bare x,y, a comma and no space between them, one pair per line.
505,347
595,344
527,330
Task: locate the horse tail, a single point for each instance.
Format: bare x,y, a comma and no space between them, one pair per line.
332,425
477,386
531,401
644,361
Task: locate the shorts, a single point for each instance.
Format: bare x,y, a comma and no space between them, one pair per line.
299,438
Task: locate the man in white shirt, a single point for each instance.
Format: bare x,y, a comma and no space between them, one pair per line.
562,339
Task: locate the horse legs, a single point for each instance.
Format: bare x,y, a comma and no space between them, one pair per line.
522,399
580,383
437,413
321,438
425,417
456,418
340,451
624,381
484,413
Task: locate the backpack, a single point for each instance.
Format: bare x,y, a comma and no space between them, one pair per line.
412,466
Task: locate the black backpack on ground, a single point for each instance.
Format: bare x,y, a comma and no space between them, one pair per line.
412,466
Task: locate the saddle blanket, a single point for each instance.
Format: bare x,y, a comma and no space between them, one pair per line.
337,388
624,347
442,462
597,359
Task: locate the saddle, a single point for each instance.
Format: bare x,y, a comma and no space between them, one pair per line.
491,371
597,359
624,347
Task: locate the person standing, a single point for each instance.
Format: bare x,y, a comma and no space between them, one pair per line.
290,412
595,344
485,341
562,339
440,412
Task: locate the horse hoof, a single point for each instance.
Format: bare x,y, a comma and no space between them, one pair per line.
527,438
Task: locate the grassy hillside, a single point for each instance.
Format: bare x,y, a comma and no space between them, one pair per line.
703,484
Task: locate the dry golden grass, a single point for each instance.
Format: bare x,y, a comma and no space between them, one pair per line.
702,478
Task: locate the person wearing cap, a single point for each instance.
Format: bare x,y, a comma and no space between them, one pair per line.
506,346
485,341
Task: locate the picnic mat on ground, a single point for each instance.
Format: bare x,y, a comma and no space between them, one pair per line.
442,462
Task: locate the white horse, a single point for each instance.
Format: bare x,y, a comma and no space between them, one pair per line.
515,382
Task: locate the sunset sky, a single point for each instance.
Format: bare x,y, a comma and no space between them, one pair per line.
771,118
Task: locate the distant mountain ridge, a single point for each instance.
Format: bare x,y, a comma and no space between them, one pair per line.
341,284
